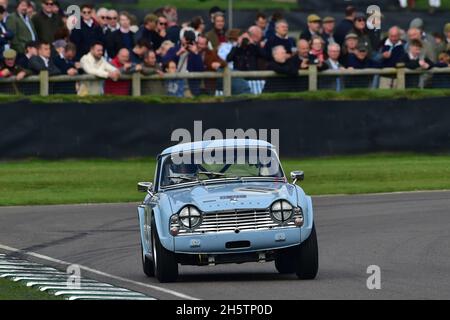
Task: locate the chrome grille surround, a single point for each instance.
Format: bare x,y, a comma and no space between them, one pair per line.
236,221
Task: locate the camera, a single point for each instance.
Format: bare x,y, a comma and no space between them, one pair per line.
190,37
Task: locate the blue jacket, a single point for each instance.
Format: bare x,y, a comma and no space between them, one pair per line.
397,53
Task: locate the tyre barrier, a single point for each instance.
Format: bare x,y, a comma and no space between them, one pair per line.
55,282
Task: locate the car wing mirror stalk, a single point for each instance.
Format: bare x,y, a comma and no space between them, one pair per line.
145,187
297,176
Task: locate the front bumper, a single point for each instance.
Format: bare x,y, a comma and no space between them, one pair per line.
231,242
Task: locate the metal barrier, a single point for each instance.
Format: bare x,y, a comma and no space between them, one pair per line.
312,75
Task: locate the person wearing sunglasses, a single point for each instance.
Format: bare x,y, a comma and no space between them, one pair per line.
89,33
370,38
46,22
113,20
102,19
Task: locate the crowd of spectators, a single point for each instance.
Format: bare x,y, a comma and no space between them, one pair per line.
109,44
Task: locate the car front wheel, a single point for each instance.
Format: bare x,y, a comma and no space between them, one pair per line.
164,261
307,258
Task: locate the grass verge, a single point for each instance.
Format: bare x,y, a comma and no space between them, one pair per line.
38,182
350,94
10,290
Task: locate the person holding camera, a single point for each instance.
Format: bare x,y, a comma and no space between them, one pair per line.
187,56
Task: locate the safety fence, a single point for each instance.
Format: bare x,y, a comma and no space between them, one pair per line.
229,83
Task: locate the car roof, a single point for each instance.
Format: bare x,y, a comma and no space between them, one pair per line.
225,143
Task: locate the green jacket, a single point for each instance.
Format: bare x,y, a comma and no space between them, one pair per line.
22,34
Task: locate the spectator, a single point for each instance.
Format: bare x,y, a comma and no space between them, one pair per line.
393,50
123,63
314,26
163,49
31,50
317,51
139,51
332,63
5,34
198,25
414,58
22,27
102,19
187,57
94,63
31,10
281,38
425,37
175,87
248,55
161,32
173,29
147,31
46,22
351,42
361,30
113,20
65,60
211,62
443,60
345,26
327,35
122,38
151,67
414,34
42,61
283,65
8,66
270,32
4,4
447,36
439,43
216,35
303,58
361,59
261,22
89,33
211,13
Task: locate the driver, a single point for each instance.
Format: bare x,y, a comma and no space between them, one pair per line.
182,170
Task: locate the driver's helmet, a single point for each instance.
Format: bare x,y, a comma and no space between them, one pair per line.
183,169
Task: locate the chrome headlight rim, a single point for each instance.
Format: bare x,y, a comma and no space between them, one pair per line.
190,217
282,211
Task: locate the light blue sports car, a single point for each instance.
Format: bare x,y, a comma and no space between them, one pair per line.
225,201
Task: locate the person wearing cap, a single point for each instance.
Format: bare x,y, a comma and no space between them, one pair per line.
281,38
314,25
217,35
22,27
370,38
361,60
345,26
46,22
5,34
349,47
9,67
328,25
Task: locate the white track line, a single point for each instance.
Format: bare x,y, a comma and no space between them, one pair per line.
97,272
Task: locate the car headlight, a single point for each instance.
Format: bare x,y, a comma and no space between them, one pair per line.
190,217
281,211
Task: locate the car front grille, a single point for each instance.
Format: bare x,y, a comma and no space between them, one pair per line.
236,221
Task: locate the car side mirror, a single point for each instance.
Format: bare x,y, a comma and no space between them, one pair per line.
297,176
145,186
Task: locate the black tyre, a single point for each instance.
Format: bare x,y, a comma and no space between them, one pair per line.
147,264
308,257
285,260
164,261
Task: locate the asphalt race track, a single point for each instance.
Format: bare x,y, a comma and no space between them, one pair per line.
406,234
